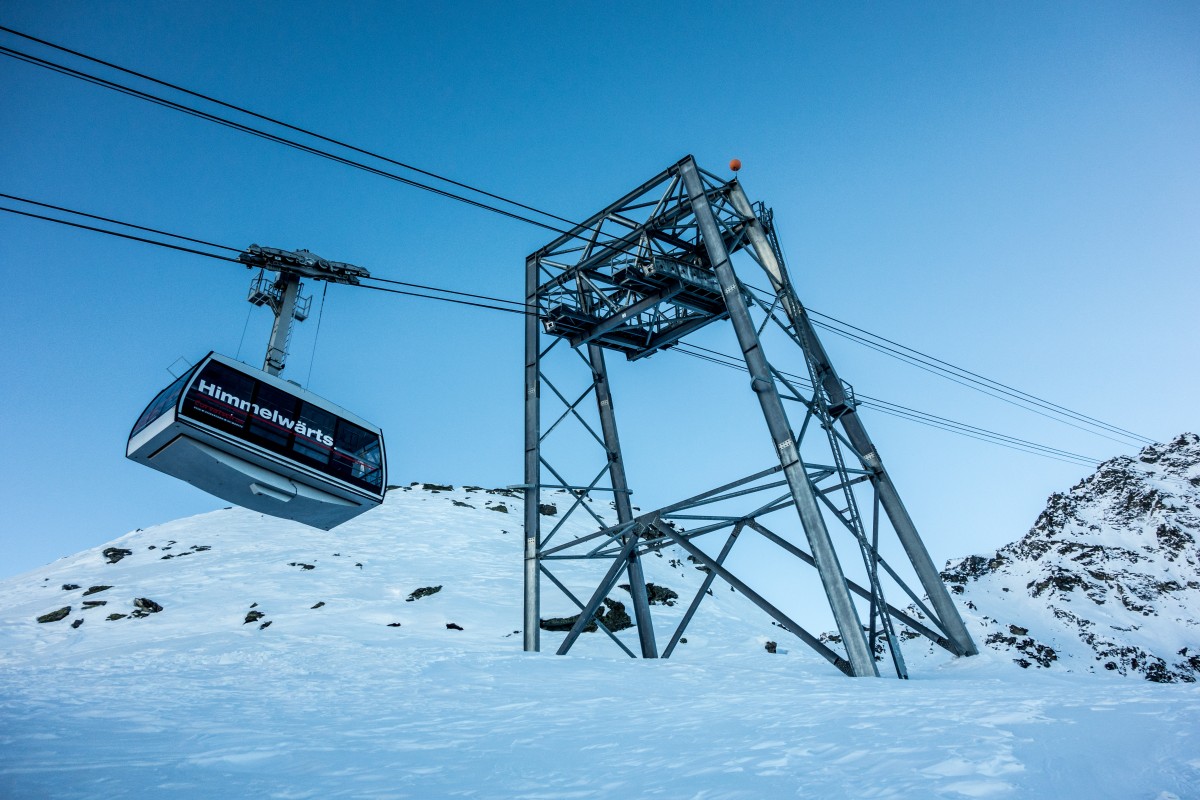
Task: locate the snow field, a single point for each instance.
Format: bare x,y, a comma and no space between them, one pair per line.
330,701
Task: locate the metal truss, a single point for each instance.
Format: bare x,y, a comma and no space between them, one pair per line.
636,278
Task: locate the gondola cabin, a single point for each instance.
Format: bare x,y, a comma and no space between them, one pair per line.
263,443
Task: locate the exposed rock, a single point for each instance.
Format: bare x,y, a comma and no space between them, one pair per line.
503,509
657,595
565,624
265,625
112,617
461,504
437,487
547,509
318,605
115,554
301,565
67,587
611,612
253,616
94,603
615,618
771,646
424,591
661,595
393,624
450,626
144,607
55,616
77,623
1115,563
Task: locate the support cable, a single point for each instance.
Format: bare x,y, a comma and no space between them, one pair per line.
317,336
282,124
516,307
239,126
963,376
886,406
1012,398
931,364
234,260
924,418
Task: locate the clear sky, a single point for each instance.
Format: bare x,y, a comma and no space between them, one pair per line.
1013,187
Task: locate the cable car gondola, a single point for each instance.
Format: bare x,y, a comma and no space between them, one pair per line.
263,443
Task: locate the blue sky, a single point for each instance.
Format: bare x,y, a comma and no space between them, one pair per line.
1011,187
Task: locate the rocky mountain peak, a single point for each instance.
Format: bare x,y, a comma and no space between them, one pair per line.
1108,576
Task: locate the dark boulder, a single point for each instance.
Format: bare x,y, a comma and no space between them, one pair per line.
115,554
424,591
55,616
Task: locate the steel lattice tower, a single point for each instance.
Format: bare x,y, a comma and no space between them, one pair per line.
636,278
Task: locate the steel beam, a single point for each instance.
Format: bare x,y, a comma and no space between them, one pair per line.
533,442
589,610
862,662
616,473
281,331
783,619
709,577
856,432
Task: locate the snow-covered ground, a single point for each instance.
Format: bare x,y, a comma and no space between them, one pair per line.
324,695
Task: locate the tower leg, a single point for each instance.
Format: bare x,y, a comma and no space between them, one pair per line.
862,662
948,616
616,473
533,467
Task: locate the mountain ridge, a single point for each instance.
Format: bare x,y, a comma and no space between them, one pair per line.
1107,578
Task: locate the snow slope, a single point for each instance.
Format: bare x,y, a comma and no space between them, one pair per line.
288,662
1108,578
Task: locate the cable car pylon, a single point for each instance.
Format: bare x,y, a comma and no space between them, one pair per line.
636,278
256,440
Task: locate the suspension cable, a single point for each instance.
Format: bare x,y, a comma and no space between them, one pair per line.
494,304
911,355
282,124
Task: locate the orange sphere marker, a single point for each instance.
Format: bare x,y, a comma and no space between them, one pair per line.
735,164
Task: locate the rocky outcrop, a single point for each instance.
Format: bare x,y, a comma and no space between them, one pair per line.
115,554
611,613
424,591
55,616
1108,577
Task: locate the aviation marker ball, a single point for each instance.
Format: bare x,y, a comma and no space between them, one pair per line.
735,164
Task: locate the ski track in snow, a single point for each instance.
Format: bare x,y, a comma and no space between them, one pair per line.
331,702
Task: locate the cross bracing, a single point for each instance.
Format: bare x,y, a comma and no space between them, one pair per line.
637,278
